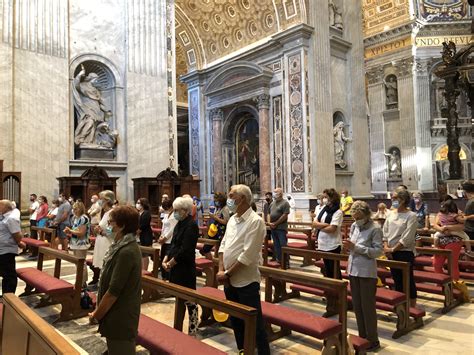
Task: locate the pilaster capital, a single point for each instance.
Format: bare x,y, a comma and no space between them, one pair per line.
375,75
262,101
405,67
422,66
216,114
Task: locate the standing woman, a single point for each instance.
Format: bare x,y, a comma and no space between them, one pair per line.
364,245
167,229
328,222
220,218
144,227
180,261
79,234
399,233
42,212
119,296
103,233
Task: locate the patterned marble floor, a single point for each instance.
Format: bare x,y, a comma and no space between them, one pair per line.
442,334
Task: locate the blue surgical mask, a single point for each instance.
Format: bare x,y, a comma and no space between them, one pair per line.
231,205
217,204
395,203
177,216
108,231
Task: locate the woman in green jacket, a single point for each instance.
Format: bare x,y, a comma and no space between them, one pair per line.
118,300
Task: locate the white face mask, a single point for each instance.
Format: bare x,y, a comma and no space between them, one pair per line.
360,222
325,201
138,206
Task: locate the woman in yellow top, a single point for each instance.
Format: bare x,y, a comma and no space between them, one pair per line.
346,202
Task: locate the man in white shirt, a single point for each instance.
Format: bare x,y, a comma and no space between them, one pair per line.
239,258
33,210
94,210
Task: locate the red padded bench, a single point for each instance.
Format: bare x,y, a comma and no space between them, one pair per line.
289,319
34,244
161,339
60,291
207,267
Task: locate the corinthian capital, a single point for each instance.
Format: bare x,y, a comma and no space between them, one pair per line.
216,114
262,101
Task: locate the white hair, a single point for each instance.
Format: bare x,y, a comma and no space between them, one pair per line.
108,196
183,203
7,204
13,204
244,191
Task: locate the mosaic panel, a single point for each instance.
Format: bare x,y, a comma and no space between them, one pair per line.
194,130
278,141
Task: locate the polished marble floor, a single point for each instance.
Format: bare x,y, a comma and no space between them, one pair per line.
451,333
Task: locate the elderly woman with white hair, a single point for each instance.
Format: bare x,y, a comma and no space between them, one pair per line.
180,259
364,245
103,233
10,241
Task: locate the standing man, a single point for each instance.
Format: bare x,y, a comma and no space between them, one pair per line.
239,258
10,241
279,211
63,220
94,211
468,188
346,202
266,206
33,211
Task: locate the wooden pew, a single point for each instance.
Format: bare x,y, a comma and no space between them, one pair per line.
60,291
387,300
24,332
150,294
184,294
46,237
209,267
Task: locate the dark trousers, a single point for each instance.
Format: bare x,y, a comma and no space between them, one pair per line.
363,291
409,257
280,240
8,273
165,275
250,296
329,265
33,234
470,234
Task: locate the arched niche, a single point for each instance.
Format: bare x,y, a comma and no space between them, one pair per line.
391,92
110,84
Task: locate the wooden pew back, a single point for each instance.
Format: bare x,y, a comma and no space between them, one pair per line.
45,234
155,254
24,332
183,294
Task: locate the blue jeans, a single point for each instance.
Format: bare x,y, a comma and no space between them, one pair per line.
279,241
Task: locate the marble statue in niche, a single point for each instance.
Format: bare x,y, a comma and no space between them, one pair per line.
391,92
340,140
92,130
394,163
335,15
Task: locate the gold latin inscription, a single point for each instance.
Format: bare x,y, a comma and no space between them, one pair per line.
438,41
387,47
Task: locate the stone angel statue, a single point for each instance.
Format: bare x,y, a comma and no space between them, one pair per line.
90,109
394,164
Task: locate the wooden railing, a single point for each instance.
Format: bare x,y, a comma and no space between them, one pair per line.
24,332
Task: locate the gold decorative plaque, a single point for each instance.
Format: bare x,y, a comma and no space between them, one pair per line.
384,48
381,15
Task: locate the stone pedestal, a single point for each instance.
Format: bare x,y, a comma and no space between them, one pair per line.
95,153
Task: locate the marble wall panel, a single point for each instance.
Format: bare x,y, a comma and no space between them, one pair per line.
6,105
41,131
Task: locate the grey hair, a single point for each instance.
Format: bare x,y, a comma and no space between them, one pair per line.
244,191
361,207
403,195
108,195
8,204
183,203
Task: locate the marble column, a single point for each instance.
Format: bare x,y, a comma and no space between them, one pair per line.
319,96
217,163
423,125
263,105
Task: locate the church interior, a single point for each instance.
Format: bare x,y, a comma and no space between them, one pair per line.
364,104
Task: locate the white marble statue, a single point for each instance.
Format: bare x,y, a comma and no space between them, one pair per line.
335,16
90,109
339,144
394,164
391,90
